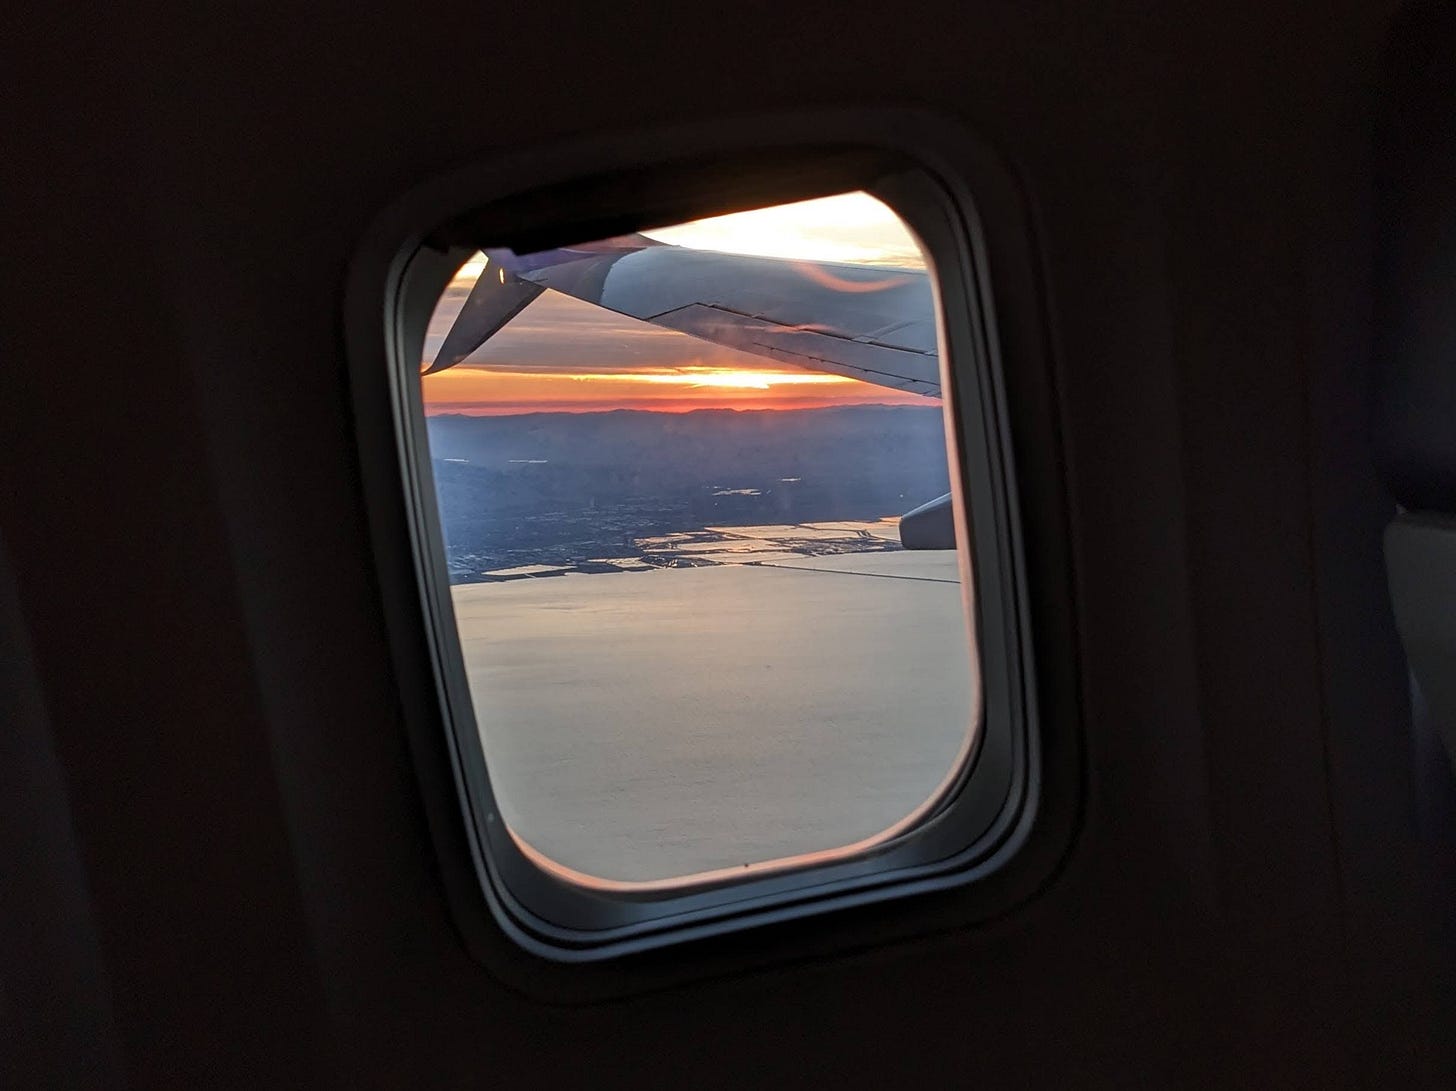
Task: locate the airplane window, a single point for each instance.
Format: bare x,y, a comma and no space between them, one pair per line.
695,498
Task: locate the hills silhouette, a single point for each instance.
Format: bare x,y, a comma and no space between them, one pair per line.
562,488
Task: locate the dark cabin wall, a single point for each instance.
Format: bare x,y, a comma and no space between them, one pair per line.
183,513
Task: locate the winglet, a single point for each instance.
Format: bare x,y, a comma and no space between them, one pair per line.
498,296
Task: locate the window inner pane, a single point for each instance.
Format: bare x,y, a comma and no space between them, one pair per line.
671,471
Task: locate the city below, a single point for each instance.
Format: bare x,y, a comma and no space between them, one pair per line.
545,494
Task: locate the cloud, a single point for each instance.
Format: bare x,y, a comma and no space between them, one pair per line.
559,334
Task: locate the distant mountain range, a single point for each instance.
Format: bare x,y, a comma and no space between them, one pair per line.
568,487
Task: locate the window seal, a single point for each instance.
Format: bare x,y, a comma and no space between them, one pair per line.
936,203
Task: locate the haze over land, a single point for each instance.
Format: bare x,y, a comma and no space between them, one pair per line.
571,488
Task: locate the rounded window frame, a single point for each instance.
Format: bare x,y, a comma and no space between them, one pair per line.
986,816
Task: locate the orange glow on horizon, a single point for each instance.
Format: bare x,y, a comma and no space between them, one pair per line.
698,377
500,392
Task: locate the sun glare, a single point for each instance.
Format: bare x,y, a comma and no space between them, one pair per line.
693,378
853,228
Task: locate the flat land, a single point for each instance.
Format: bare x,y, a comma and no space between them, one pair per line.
645,725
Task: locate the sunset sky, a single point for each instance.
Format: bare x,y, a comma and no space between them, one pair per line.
560,354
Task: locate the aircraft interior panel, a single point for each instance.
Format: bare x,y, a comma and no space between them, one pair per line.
1214,247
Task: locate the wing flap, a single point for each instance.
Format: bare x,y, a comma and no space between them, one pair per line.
864,359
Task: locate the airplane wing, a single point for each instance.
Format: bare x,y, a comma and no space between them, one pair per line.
865,322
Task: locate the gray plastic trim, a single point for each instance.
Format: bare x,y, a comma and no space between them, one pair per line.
1420,561
986,817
